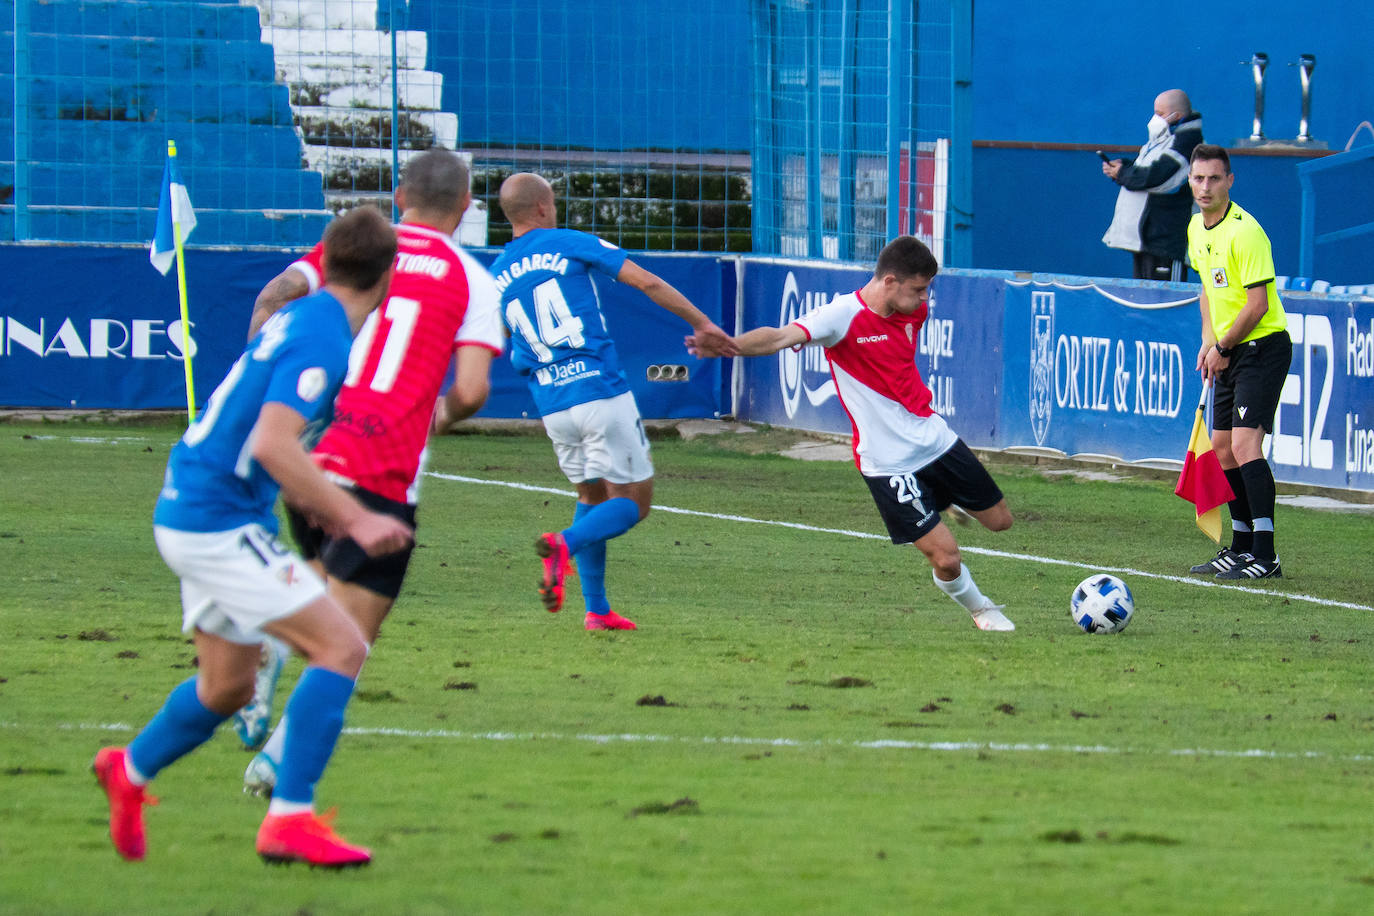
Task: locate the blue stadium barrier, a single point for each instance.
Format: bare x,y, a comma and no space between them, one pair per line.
1054,365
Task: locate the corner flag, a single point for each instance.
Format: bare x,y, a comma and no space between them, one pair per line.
174,214
175,221
1202,481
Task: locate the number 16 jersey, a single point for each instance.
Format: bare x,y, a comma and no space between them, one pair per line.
559,339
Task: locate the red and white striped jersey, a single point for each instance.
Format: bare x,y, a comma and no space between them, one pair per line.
440,299
873,362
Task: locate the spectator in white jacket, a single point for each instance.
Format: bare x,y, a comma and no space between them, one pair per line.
1154,205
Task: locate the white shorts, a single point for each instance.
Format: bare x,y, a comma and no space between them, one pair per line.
601,440
234,582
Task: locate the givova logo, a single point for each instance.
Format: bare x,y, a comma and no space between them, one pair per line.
802,371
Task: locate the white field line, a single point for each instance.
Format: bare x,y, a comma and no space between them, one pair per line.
882,744
981,551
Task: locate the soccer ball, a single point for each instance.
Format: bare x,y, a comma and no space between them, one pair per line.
1102,604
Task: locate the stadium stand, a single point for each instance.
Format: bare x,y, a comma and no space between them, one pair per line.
106,84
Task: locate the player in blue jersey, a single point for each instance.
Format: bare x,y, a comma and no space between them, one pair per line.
215,527
559,341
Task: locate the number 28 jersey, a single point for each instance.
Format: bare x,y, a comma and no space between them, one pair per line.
559,339
873,361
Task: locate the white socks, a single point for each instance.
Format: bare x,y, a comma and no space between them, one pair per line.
963,590
275,742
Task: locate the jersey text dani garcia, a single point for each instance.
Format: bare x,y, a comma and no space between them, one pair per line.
873,361
298,359
558,333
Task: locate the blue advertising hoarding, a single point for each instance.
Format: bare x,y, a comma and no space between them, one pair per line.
961,338
1101,371
90,327
1066,365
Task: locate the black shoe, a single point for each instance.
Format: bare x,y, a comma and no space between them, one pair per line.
1225,559
1249,566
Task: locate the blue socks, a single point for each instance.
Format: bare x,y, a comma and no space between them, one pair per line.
591,568
182,725
316,711
592,527
601,522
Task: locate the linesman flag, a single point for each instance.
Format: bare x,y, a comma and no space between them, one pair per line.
174,215
1202,481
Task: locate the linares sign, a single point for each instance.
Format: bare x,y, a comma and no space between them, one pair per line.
94,338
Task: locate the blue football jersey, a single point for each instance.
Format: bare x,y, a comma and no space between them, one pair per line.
299,359
549,303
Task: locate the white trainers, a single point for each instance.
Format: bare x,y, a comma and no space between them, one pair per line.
250,722
261,776
990,617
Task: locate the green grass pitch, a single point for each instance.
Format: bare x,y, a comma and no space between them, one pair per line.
802,724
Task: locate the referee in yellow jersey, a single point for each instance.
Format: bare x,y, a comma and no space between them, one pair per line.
1245,352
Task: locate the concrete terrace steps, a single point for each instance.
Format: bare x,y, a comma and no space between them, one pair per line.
285,228
194,99
210,187
362,128
111,144
110,81
226,21
337,64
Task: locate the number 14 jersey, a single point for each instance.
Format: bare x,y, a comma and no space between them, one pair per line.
559,339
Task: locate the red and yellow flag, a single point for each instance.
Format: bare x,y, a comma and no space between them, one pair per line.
1202,481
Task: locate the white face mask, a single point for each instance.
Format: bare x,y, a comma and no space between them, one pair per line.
1157,127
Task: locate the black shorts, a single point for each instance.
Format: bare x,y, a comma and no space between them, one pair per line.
344,560
1246,392
910,504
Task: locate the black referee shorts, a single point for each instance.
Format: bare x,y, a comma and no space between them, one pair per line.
345,560
1246,393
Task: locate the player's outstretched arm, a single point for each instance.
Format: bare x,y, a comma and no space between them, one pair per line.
286,286
277,447
764,341
709,339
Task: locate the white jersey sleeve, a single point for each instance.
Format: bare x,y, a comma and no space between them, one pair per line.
828,324
482,323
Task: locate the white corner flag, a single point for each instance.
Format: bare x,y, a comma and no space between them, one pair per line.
175,218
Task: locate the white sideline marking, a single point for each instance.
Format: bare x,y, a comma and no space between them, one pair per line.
881,744
981,551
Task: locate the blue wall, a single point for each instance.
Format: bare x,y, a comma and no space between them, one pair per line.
1046,210
532,71
1073,71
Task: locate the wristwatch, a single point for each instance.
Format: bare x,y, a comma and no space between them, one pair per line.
1223,352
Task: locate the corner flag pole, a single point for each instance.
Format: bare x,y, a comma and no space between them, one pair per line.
181,292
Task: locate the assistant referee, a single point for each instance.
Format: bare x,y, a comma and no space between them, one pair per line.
1246,351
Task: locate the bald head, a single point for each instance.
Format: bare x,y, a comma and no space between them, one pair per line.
1173,102
527,200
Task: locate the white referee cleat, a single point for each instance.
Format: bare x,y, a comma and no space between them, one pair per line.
990,617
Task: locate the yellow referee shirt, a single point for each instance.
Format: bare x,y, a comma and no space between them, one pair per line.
1231,257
